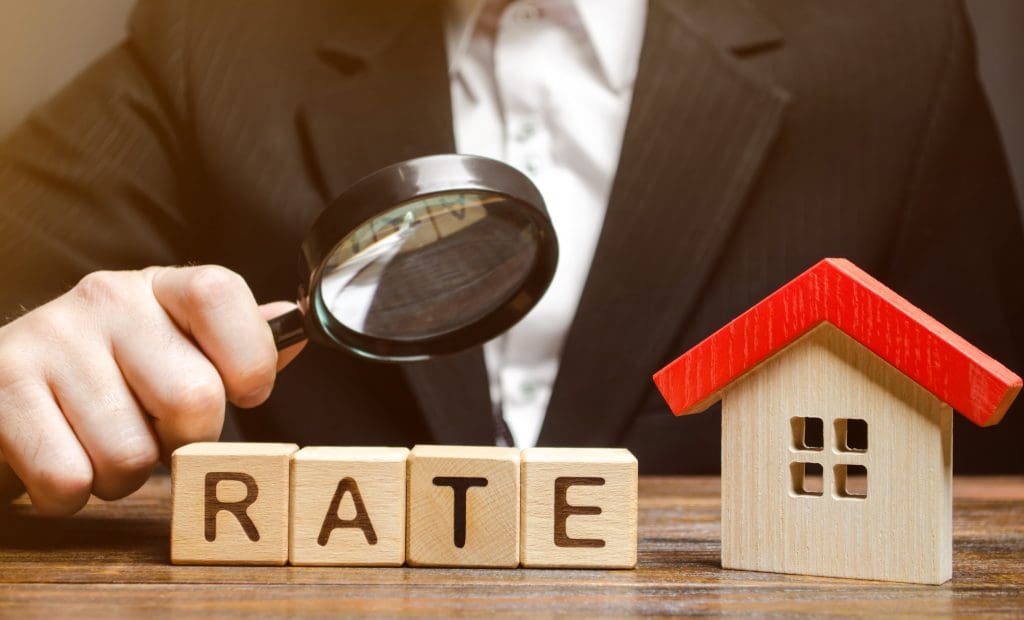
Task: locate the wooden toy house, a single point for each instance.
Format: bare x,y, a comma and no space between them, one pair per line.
837,399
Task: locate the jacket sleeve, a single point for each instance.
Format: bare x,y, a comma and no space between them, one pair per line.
960,251
98,177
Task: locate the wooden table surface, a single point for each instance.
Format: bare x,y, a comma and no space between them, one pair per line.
112,559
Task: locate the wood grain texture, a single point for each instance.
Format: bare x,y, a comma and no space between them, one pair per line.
230,503
348,506
578,508
479,529
837,291
901,530
112,561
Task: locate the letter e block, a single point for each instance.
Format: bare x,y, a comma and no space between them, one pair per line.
579,508
463,506
230,503
348,506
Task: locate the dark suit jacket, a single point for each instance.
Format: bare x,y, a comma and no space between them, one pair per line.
762,137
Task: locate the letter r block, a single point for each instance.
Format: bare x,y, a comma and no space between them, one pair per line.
463,506
230,503
348,506
578,508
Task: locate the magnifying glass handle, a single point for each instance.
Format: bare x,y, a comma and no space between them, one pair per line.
288,329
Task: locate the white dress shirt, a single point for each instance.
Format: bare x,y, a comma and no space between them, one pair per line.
545,85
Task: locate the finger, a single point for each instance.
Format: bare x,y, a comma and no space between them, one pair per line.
41,448
216,308
171,378
106,418
276,309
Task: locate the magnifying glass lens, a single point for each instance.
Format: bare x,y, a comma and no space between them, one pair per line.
436,255
430,266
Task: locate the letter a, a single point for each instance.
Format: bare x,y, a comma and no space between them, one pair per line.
332,521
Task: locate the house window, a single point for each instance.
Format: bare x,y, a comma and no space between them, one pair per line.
808,433
851,435
851,481
807,479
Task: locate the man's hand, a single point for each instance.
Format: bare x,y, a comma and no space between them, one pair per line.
101,383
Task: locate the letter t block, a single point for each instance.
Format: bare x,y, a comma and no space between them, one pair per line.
579,508
463,506
230,503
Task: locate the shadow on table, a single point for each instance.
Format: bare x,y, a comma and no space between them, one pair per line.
23,533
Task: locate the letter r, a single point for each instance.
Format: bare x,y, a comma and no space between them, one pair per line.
212,505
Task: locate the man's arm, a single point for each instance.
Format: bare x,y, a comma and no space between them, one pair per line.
100,382
98,177
960,251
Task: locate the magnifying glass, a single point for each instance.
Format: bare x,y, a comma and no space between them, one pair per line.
422,258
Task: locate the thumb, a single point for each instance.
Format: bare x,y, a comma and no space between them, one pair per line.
275,309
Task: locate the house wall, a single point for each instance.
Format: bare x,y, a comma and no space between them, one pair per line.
901,531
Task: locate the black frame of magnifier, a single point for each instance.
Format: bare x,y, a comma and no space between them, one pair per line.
384,190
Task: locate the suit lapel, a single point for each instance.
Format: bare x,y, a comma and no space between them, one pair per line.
386,96
698,129
387,100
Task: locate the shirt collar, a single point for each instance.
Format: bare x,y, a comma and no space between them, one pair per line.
614,29
460,22
616,32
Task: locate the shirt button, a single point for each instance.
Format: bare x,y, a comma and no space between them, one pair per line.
526,131
525,12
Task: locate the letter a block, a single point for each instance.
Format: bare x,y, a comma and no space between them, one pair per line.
230,503
348,506
463,506
579,508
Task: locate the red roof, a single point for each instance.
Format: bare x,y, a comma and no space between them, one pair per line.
837,291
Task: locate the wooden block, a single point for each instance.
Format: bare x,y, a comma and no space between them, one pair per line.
578,508
230,503
463,506
348,506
